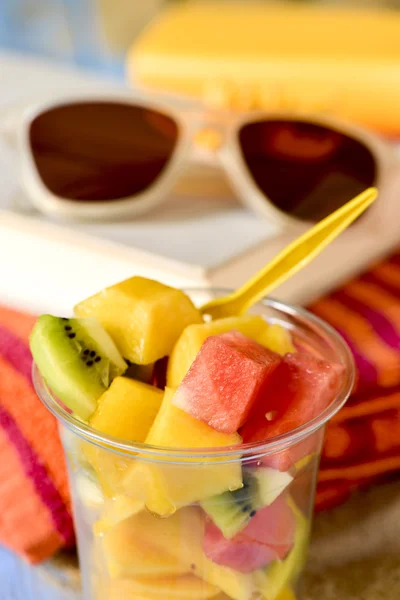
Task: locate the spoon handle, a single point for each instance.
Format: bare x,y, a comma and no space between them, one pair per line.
294,257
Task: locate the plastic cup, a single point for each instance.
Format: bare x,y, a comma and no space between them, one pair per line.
141,512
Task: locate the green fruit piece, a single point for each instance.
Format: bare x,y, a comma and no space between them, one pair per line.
273,580
231,511
77,359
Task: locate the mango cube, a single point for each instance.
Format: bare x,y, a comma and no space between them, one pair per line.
277,338
273,337
115,510
143,317
166,547
126,411
170,588
132,548
170,486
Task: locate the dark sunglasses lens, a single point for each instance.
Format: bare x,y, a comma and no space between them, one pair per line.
306,170
101,150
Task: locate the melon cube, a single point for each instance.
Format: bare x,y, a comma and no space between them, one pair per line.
268,537
115,510
225,380
302,388
125,589
166,588
132,548
174,545
143,317
191,339
126,411
169,485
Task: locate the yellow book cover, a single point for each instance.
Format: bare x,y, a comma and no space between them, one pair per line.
272,56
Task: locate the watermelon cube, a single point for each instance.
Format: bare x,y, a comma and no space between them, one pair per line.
269,536
225,380
301,388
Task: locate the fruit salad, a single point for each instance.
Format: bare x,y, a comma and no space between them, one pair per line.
192,482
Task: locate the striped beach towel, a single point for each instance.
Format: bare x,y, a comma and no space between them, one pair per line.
362,443
35,508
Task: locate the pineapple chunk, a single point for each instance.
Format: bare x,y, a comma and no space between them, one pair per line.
123,589
191,339
286,594
115,510
143,317
131,550
277,339
147,546
169,485
166,588
126,411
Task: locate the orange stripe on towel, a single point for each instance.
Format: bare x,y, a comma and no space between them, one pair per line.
377,298
27,526
19,323
368,407
361,471
388,273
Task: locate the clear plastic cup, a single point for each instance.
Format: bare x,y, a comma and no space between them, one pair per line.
142,513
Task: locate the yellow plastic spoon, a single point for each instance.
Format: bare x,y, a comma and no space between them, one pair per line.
293,258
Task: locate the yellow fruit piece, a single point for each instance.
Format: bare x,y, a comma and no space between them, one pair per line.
107,467
193,337
176,544
286,594
115,510
139,482
184,587
138,546
171,486
277,338
126,411
125,589
143,317
274,337
238,586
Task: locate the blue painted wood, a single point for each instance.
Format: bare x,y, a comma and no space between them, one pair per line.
20,581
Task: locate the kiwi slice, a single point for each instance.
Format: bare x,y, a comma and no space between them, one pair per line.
77,359
231,511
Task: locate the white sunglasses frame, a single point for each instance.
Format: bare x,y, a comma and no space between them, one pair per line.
190,121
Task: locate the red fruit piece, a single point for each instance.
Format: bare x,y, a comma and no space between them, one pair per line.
301,388
226,378
269,536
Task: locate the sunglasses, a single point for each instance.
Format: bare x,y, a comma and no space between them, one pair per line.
113,157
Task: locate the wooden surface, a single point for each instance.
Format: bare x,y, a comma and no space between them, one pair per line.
354,555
